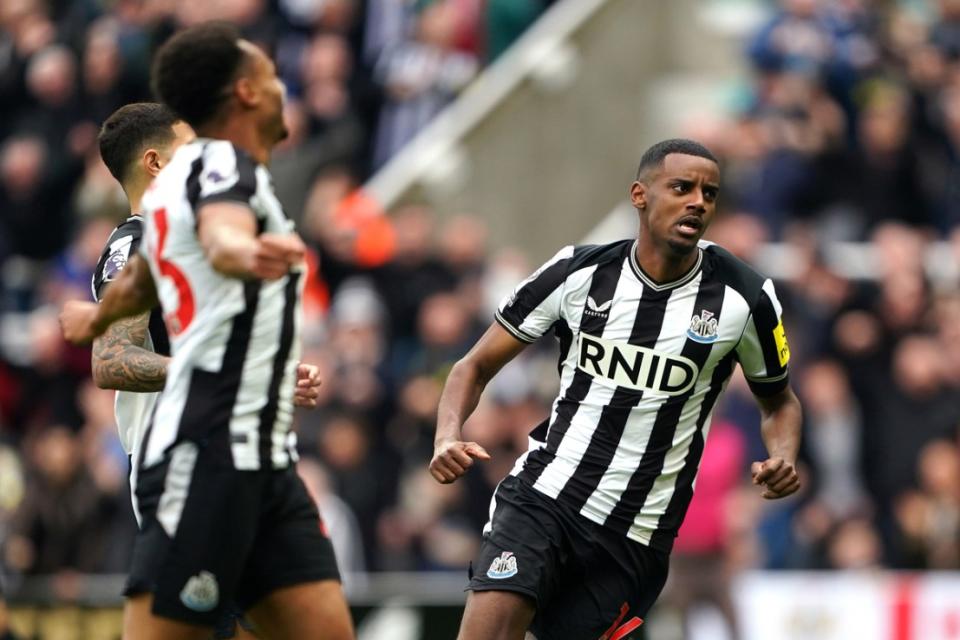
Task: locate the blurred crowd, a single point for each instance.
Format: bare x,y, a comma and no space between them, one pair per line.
849,130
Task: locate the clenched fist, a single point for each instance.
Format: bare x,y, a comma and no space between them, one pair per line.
76,321
778,478
452,458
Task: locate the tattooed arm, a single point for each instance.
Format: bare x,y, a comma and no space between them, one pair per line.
121,362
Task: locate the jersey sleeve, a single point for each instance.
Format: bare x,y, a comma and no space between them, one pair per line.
123,243
534,305
225,174
763,351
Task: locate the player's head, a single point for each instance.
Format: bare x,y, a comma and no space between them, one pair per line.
138,140
208,75
676,192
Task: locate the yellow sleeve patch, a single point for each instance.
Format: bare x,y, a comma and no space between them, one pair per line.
783,349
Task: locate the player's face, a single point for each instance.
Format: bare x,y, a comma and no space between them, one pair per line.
677,202
263,76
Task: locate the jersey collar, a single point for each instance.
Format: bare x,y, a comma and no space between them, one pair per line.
650,282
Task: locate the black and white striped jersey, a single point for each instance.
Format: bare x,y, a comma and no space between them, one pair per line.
641,367
234,343
133,410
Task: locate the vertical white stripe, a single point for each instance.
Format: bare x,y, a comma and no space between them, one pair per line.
176,486
280,453
488,527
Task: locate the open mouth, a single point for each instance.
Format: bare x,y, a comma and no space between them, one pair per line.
690,225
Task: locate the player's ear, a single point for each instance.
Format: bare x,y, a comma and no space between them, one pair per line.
638,195
246,92
152,162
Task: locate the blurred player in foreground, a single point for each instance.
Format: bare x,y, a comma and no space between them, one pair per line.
225,518
136,141
650,331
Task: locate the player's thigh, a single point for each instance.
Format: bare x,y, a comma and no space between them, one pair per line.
291,545
199,523
611,591
307,611
496,615
139,623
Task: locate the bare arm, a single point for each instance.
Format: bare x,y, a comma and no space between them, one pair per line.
228,235
461,393
121,362
780,422
132,293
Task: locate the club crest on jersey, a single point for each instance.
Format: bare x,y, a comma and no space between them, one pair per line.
703,328
634,367
201,592
503,567
597,310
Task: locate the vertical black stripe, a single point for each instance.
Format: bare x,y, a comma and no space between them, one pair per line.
602,287
268,415
683,492
158,332
193,181
565,336
709,298
765,320
647,325
212,395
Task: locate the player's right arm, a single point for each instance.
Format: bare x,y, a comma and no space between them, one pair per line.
523,317
228,235
461,393
130,294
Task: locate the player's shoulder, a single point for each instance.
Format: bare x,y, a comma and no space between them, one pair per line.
122,243
132,227
224,152
732,271
589,255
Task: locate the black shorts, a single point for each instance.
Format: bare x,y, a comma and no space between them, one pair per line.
213,536
584,579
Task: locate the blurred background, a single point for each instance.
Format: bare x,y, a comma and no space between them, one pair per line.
440,150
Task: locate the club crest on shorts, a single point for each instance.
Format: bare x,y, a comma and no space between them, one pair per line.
503,567
703,328
201,592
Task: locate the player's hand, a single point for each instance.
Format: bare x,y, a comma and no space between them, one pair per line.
452,458
76,321
778,478
275,253
308,382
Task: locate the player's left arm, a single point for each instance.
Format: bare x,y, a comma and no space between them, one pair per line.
119,360
764,356
130,294
780,426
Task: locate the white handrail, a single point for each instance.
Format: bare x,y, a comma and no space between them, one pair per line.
525,56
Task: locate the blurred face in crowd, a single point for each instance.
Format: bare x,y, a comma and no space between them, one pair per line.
677,201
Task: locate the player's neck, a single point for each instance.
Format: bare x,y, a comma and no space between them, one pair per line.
660,263
134,197
242,135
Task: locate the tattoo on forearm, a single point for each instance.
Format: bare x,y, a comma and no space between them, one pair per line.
121,362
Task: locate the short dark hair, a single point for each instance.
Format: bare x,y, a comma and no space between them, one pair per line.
130,130
193,70
653,157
